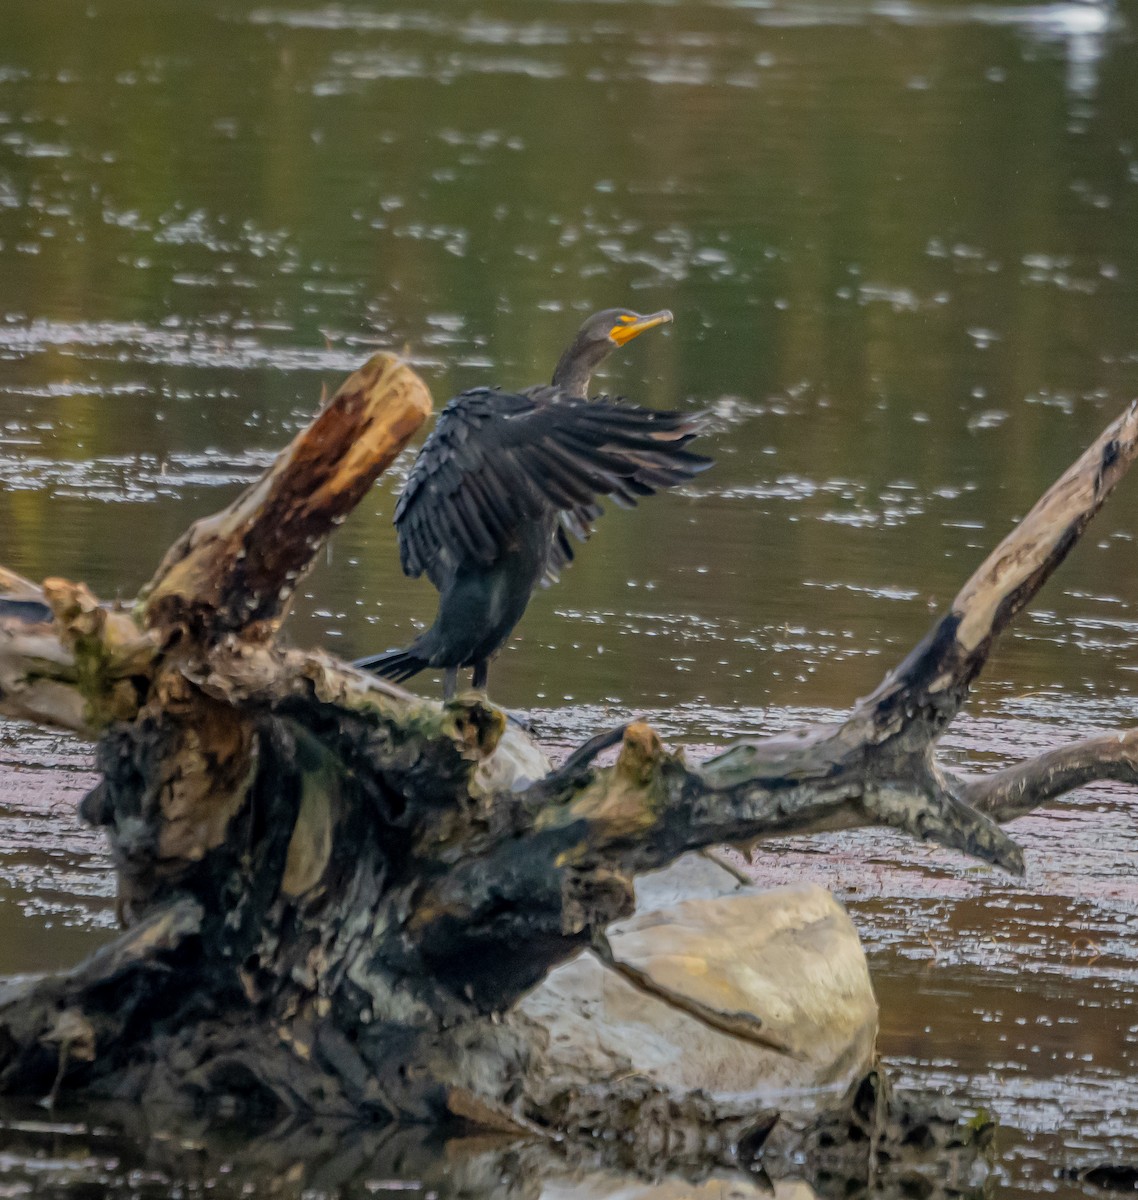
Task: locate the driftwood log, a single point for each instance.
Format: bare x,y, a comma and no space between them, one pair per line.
332,889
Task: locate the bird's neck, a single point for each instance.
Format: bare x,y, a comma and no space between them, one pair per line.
576,367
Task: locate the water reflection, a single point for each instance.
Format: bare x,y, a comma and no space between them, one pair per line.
112,1150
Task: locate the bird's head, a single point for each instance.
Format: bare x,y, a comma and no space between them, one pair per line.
620,325
597,339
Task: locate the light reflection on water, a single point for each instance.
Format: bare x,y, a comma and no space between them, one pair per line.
898,238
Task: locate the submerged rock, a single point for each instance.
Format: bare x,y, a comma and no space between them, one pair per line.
612,1186
722,1038
732,1004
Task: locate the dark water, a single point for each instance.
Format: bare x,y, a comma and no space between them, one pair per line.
901,242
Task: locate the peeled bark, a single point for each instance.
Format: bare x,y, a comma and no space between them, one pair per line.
334,889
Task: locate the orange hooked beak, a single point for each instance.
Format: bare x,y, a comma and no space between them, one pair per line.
631,326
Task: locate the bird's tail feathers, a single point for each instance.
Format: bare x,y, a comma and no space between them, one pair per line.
396,665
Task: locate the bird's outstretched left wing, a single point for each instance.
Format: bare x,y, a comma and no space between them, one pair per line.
498,460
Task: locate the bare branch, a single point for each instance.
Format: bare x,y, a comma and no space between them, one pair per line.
1018,789
66,660
373,869
930,686
235,571
16,588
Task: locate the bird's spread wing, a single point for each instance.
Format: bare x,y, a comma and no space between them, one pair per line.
497,460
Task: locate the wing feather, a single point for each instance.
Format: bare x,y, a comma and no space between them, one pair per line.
497,460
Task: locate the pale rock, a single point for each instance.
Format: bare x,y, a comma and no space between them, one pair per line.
760,1000
694,876
515,764
611,1186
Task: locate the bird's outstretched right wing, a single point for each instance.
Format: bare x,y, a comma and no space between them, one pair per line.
497,460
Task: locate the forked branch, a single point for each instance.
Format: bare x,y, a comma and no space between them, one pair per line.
375,871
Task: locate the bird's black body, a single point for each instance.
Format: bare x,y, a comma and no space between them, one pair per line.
504,475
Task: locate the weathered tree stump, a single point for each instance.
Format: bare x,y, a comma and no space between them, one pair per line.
333,890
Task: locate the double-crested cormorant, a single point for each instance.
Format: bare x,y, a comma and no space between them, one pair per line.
503,477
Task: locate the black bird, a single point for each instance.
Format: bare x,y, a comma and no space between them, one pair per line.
503,478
